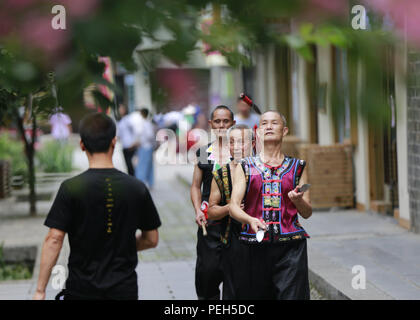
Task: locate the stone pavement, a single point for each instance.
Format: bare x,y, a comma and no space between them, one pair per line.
343,239
166,272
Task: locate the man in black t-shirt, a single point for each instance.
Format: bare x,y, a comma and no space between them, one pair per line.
101,210
208,271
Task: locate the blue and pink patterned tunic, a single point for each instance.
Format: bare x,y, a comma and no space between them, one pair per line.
267,199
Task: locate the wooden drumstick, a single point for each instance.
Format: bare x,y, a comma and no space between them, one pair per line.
203,225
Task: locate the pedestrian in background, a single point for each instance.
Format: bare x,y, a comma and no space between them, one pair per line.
60,126
245,115
137,120
127,137
146,142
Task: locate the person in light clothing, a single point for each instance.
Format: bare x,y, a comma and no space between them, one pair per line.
60,125
245,115
126,135
146,141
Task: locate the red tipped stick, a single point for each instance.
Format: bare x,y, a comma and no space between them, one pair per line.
249,102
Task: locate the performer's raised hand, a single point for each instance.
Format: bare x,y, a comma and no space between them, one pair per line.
303,206
295,195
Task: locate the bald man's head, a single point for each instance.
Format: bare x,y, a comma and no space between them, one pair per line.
275,112
272,127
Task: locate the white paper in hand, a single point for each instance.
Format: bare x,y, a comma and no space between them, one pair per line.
260,235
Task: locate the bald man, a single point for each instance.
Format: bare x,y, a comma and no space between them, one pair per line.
275,267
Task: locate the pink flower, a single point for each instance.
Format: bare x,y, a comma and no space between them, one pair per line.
37,32
79,8
6,25
404,13
335,7
19,4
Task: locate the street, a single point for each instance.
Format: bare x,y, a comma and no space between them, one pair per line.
165,272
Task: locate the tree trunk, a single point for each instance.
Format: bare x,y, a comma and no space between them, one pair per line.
31,169
29,153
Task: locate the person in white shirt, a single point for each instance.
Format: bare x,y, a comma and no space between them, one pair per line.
137,121
127,136
60,125
245,116
147,140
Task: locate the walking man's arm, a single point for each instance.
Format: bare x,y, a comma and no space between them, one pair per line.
196,195
147,239
238,193
50,251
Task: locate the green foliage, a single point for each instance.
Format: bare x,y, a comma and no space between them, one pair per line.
12,150
150,30
15,271
55,157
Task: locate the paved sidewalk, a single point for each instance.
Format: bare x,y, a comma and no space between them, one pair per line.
389,254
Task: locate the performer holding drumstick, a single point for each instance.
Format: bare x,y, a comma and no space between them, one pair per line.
208,272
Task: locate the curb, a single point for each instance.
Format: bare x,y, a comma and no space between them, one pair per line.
325,288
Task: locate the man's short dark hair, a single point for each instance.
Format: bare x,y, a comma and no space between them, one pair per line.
97,131
221,107
144,112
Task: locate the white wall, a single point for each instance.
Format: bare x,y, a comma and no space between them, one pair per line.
361,152
304,125
325,124
401,105
260,80
271,77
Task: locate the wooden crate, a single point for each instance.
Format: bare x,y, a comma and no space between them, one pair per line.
329,170
4,179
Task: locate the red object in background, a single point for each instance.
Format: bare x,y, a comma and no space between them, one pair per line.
249,102
191,139
246,99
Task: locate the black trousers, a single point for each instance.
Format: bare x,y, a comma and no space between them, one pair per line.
128,157
65,295
208,269
274,272
232,257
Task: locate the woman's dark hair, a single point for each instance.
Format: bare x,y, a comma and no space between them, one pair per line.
97,131
221,107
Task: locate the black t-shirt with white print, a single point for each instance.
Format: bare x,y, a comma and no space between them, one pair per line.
101,209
